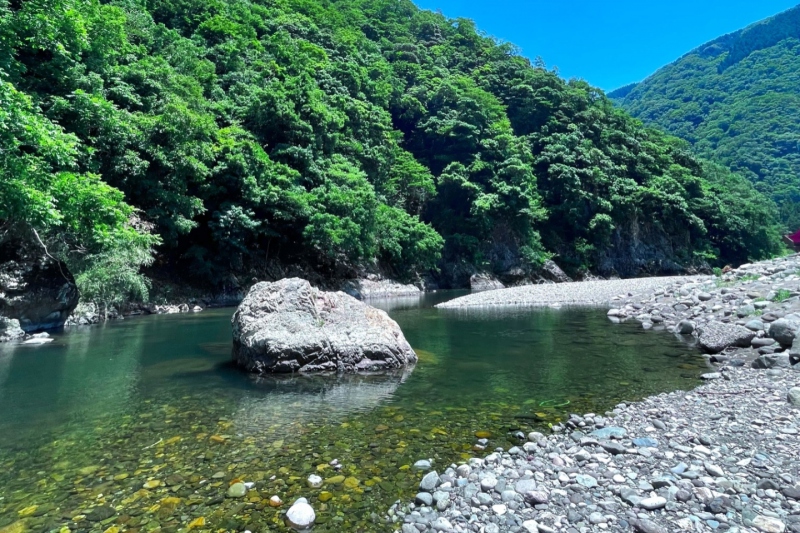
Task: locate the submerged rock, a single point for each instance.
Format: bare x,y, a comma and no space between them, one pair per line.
289,326
35,289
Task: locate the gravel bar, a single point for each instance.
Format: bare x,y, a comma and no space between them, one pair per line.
723,457
598,292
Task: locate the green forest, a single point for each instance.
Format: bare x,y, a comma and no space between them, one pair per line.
737,100
216,136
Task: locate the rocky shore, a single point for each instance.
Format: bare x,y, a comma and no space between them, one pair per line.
723,457
596,292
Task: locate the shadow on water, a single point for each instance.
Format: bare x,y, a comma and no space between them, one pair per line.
103,410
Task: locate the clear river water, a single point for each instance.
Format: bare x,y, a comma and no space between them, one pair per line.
141,425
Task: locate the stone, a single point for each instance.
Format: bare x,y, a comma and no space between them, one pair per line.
35,290
767,524
530,526
610,432
10,330
716,336
586,480
793,396
755,325
772,360
614,448
422,464
314,481
784,331
429,482
653,503
645,442
424,498
484,282
536,497
237,490
685,327
300,515
646,526
525,485
289,326
98,514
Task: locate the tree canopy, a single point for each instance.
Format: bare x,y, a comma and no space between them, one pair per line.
337,133
737,100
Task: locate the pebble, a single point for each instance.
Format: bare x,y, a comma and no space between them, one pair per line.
300,515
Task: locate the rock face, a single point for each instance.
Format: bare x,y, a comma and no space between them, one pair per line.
289,326
484,282
9,329
34,288
716,336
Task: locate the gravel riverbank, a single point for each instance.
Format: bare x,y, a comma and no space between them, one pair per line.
723,457
578,293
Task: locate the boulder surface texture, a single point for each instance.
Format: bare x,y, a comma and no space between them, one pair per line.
35,289
716,336
289,326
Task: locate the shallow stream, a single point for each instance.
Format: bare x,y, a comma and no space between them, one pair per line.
141,425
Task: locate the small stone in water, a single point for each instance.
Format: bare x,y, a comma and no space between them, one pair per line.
314,481
237,490
300,515
275,501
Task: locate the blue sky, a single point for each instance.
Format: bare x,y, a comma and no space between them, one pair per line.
609,43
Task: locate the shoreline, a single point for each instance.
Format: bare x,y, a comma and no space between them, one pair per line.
724,456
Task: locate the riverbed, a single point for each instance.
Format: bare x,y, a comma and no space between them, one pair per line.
142,424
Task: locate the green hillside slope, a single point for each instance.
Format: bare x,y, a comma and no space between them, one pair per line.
354,134
737,100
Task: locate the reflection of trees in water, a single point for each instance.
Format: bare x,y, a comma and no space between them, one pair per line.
519,354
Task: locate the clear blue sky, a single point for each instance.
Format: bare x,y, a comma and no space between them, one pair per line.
609,43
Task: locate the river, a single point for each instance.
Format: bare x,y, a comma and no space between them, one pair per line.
141,425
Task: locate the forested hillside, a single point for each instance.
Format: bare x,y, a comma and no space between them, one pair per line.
737,100
337,135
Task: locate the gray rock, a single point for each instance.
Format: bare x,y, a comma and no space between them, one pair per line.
784,331
767,524
653,503
422,464
525,485
429,482
745,310
424,498
9,329
716,336
773,360
685,327
754,325
586,480
614,448
793,396
646,526
484,282
289,326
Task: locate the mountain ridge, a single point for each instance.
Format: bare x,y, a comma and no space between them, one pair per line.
736,100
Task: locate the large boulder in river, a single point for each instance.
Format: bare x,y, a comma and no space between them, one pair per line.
289,326
35,289
716,336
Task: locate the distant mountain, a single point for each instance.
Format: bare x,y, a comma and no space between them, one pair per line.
737,100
